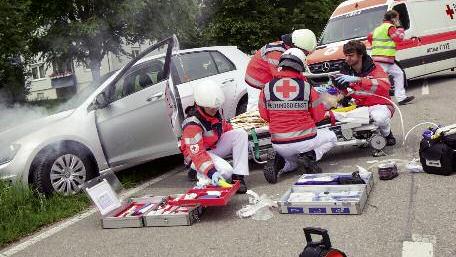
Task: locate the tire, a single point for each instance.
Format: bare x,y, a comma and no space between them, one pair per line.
70,167
273,166
242,106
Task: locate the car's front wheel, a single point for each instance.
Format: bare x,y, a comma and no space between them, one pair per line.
63,171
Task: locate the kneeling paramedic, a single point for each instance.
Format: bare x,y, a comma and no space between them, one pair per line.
292,108
370,85
266,60
207,138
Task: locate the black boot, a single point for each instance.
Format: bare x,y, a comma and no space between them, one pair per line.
243,188
192,175
308,163
390,139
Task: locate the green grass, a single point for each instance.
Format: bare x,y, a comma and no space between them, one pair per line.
22,211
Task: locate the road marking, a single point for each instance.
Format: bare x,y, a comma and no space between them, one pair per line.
425,88
417,249
422,246
61,226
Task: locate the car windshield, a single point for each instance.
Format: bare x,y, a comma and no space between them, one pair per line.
352,25
83,93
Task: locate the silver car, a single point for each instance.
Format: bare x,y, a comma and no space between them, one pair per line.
121,123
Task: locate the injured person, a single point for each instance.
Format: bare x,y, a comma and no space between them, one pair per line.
292,107
207,138
366,82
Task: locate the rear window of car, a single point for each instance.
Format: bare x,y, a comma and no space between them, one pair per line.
223,63
192,66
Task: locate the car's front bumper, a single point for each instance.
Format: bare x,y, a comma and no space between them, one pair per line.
7,172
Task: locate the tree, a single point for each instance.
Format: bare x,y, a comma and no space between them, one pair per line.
250,24
86,30
15,29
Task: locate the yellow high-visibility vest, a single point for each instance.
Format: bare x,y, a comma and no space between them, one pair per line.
382,44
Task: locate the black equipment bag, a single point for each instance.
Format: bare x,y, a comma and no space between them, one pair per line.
438,156
320,248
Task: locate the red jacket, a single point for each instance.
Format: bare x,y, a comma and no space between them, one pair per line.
263,64
291,106
201,132
374,80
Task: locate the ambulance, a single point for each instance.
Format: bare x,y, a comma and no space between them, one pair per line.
429,47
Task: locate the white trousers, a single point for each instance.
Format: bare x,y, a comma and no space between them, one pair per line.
322,143
235,142
398,77
382,118
253,98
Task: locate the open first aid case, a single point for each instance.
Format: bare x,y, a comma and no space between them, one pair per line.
206,197
136,212
321,194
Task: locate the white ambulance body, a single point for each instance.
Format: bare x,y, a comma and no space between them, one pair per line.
429,47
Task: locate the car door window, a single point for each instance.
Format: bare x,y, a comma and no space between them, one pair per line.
140,77
192,66
223,63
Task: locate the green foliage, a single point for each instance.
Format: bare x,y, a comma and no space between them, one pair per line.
87,30
250,24
24,211
15,29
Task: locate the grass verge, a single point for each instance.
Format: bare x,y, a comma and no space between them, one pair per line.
22,211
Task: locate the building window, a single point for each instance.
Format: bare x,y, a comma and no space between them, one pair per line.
62,68
38,71
135,52
40,96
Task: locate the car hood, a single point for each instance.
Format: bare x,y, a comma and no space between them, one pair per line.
13,134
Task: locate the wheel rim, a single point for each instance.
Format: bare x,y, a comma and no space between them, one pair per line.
67,174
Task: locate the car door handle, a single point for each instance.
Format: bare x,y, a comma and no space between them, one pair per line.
227,81
156,96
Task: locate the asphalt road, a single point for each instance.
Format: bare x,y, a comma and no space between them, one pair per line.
409,207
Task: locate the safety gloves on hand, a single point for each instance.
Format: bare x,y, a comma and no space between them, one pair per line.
347,79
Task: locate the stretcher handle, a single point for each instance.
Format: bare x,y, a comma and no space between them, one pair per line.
309,231
255,142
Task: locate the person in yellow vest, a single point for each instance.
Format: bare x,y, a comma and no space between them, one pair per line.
384,40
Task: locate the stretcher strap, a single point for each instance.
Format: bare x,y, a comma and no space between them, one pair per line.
255,144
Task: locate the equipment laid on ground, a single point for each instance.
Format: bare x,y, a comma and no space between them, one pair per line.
322,248
328,193
153,211
387,171
438,150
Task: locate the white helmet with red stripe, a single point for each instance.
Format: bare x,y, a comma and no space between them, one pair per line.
304,39
208,94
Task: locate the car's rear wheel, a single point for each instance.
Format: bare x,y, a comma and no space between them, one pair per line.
63,171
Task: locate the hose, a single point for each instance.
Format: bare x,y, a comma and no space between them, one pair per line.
417,125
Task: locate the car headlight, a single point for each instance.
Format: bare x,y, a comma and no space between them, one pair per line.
7,154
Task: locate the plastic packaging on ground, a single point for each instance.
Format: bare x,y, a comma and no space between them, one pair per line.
259,207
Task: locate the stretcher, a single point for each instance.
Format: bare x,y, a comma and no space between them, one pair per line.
364,134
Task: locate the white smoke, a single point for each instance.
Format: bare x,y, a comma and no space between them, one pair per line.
16,114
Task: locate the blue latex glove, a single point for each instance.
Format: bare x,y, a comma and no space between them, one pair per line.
347,79
216,176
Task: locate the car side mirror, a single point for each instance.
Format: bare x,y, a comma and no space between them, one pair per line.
100,101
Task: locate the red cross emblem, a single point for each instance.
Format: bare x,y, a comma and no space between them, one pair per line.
286,89
449,11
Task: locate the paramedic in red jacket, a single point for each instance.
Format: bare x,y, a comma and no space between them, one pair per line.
384,41
207,138
366,78
292,108
265,61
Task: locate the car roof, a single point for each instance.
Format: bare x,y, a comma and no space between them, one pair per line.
190,50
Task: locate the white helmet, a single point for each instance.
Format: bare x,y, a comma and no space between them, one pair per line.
304,39
294,58
208,94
